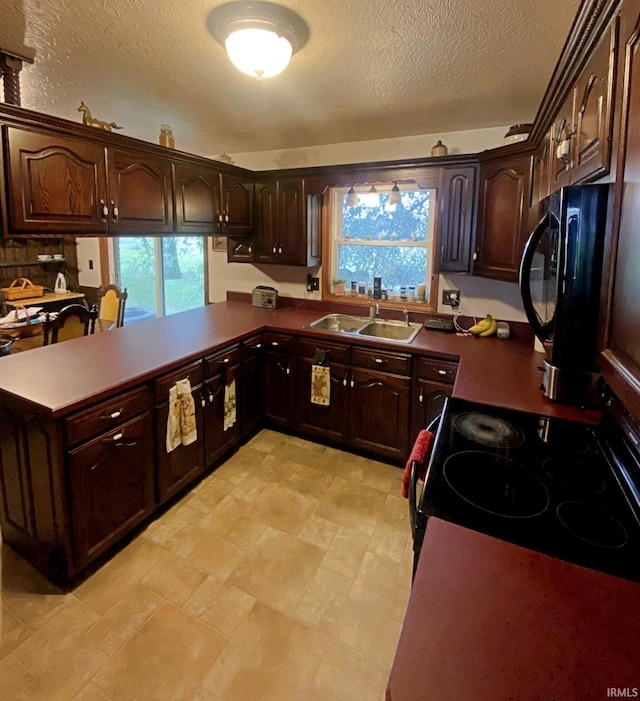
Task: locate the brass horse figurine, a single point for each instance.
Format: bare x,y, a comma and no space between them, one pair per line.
98,123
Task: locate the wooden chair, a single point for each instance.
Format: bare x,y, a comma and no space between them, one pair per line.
111,304
72,321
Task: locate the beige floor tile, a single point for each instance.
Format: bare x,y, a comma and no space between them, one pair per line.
318,531
90,693
220,605
397,507
124,619
234,528
69,673
346,551
14,679
283,508
347,675
380,476
175,520
299,454
109,584
355,506
12,632
277,570
174,579
264,441
365,629
39,651
327,591
167,659
271,657
207,552
309,481
375,581
209,495
390,537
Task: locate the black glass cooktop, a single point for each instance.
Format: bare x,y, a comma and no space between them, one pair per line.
546,484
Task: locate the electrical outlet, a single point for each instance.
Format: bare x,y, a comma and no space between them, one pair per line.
451,297
313,283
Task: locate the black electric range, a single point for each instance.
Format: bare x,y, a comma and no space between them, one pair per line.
558,487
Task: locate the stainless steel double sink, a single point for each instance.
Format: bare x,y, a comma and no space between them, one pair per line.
386,329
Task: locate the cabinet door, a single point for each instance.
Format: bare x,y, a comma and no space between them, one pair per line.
55,184
427,403
278,381
291,222
327,422
594,111
562,131
456,220
267,218
541,179
111,480
252,386
186,462
241,249
237,206
217,441
379,412
197,194
503,220
140,193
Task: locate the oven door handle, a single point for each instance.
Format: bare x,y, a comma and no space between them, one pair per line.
413,483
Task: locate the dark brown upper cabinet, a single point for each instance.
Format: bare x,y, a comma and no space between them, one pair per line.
503,209
64,185
236,217
288,224
197,195
541,178
581,133
457,220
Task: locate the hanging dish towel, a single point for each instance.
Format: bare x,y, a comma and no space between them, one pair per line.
229,400
321,378
181,421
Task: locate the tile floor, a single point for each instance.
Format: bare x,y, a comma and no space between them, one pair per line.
283,576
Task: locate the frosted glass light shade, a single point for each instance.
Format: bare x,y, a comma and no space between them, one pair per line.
258,52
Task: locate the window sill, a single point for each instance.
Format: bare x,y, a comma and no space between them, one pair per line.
366,302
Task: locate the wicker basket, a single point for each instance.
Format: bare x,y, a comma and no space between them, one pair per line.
21,328
22,288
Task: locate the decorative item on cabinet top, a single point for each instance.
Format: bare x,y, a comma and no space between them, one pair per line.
439,149
90,121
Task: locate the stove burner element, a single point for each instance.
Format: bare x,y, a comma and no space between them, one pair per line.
496,485
488,430
575,473
558,435
591,525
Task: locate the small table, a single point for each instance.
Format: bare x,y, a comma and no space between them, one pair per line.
35,341
49,299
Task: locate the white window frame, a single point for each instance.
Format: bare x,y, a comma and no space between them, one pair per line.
335,235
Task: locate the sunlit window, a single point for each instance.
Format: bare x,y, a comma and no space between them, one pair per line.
373,238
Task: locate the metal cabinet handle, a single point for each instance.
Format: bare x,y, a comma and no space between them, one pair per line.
250,249
442,254
344,382
257,346
203,401
117,437
105,210
273,250
421,397
352,383
275,343
288,370
442,372
279,250
210,398
476,254
226,218
114,211
380,361
220,218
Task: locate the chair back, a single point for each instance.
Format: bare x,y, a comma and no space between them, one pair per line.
72,321
111,304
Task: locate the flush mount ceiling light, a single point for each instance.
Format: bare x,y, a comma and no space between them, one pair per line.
259,37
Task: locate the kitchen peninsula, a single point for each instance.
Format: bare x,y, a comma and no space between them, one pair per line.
79,467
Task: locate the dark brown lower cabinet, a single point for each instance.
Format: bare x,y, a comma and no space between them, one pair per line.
278,379
112,486
432,383
185,463
252,395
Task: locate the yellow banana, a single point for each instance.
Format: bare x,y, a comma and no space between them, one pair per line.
481,325
493,327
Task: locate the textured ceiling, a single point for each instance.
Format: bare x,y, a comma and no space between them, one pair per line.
371,69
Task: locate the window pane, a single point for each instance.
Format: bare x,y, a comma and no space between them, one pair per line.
183,263
135,270
399,266
407,221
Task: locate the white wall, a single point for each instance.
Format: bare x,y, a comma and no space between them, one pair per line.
400,148
480,296
88,251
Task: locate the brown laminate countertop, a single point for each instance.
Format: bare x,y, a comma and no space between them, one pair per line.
61,378
491,621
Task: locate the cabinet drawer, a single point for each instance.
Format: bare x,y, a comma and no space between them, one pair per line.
437,370
338,352
192,372
396,363
278,342
218,362
252,347
106,415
